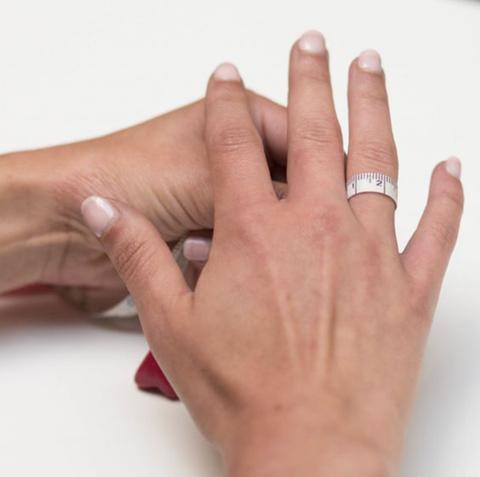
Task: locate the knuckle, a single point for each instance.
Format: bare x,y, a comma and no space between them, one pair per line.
255,240
443,232
251,230
175,324
374,96
310,71
131,258
230,138
373,251
376,155
453,197
327,221
420,302
313,134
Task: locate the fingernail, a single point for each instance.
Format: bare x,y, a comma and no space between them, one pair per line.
454,167
98,214
227,72
370,61
197,249
312,42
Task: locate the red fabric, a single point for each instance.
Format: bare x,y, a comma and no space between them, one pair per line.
150,377
30,290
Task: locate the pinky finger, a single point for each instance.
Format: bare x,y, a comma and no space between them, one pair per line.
428,252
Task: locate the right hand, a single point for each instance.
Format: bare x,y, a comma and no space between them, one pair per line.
299,350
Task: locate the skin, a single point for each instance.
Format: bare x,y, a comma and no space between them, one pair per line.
160,167
299,350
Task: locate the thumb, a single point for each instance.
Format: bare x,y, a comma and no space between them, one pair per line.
140,256
428,252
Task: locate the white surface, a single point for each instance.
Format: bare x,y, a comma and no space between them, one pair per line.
70,70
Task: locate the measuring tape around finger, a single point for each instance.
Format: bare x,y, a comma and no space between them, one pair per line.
375,182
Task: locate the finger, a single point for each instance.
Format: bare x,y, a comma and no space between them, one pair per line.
371,143
92,299
197,249
315,152
141,258
428,252
192,273
239,168
271,121
198,266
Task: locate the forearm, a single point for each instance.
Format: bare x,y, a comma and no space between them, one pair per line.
28,233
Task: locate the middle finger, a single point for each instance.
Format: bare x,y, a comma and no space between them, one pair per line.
316,165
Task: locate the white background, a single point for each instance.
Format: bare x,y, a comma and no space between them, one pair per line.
71,70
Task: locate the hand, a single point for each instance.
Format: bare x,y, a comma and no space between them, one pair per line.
298,352
159,167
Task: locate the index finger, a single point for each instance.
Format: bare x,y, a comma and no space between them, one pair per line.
239,168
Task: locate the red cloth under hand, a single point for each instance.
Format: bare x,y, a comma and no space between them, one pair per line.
150,377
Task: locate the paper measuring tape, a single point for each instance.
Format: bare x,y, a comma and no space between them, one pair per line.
375,182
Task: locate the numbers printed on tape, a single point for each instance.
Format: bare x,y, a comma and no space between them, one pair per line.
375,182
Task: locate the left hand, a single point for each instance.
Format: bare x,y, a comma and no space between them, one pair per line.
159,166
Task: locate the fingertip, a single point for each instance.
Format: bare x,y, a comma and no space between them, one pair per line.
197,249
311,42
99,214
446,180
226,72
370,61
224,81
453,167
366,72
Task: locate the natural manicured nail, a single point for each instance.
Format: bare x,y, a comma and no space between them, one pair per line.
196,249
454,167
370,61
98,214
312,42
227,72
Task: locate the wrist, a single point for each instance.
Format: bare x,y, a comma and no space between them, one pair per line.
303,443
31,231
